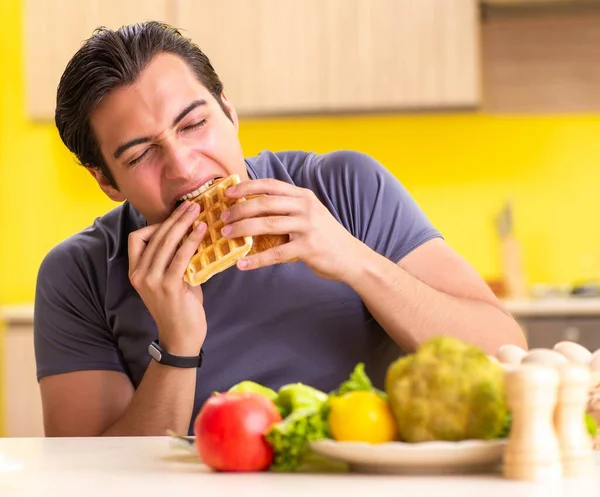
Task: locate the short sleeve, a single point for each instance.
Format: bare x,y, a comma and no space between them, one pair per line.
70,332
371,203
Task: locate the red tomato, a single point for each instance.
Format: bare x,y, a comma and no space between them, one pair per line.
230,431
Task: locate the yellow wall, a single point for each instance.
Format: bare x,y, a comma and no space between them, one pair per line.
459,167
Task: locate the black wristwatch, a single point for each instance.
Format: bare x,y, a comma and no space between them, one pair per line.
163,357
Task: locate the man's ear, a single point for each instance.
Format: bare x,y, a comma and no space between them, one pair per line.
231,109
110,191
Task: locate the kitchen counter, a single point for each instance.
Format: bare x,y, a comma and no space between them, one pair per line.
17,314
150,466
575,306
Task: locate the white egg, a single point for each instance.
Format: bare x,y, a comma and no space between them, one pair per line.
574,352
595,361
510,354
545,357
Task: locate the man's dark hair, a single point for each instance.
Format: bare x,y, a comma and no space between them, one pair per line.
111,59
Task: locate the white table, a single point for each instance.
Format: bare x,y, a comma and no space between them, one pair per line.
110,467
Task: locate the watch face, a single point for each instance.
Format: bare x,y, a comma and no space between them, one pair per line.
154,352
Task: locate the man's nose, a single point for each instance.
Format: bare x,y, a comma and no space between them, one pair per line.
179,161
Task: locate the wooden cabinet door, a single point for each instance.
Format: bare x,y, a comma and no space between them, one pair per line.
268,53
22,401
55,29
289,56
401,54
545,332
286,56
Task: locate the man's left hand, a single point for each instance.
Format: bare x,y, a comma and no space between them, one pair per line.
316,237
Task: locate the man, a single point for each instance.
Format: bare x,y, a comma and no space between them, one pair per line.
145,113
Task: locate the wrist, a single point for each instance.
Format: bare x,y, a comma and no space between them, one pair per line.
162,356
184,348
184,338
368,269
360,264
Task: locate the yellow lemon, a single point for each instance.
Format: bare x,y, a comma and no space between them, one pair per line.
361,416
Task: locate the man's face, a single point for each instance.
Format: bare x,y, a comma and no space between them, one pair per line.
164,136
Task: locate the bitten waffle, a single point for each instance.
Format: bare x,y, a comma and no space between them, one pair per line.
216,252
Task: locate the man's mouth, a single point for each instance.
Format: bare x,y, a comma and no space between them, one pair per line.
197,192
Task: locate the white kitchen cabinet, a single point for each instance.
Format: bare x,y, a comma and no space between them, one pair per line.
287,56
22,402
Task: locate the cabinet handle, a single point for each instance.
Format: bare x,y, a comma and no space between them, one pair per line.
572,333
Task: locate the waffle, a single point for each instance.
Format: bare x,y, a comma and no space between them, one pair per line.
216,252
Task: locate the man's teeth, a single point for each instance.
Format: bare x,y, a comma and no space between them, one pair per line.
197,192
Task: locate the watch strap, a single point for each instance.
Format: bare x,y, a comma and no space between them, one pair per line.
161,356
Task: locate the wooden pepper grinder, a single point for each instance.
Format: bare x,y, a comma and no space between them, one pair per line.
569,419
533,450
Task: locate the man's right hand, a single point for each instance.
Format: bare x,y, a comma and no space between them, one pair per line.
157,265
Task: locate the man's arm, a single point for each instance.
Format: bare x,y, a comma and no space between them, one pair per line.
96,399
432,291
95,403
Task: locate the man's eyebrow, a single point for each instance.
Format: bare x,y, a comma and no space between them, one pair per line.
131,143
187,110
136,141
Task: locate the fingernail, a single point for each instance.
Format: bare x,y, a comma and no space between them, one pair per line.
225,215
192,206
226,230
183,205
201,227
242,263
231,190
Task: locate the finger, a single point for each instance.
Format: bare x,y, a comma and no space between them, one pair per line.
262,206
275,255
157,238
274,225
137,243
184,254
268,186
167,247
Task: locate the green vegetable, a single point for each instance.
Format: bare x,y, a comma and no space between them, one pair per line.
505,431
296,396
305,411
447,390
290,437
592,426
358,380
251,386
316,463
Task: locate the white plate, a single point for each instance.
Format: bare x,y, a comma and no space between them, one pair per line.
469,456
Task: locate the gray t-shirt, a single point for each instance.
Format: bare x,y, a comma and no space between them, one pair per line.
274,325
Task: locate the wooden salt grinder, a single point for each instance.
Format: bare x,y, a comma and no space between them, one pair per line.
533,450
569,419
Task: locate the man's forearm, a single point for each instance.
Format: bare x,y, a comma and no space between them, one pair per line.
411,311
164,400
